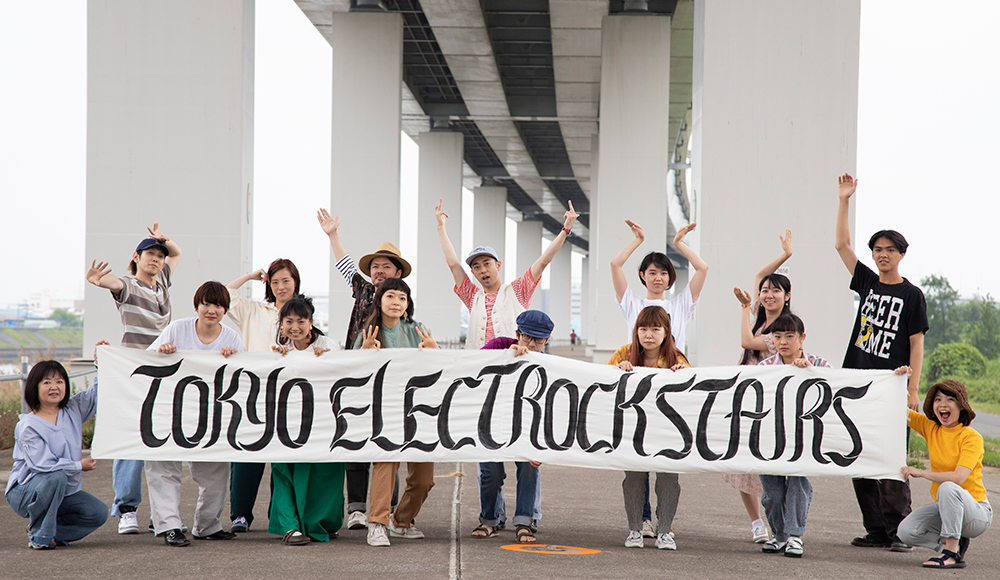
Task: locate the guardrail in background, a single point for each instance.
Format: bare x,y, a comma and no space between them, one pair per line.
23,377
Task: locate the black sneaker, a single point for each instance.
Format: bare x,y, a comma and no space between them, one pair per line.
870,541
176,538
900,546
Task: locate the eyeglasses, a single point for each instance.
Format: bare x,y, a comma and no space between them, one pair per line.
531,339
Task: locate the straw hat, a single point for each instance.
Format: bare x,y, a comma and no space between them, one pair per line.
385,250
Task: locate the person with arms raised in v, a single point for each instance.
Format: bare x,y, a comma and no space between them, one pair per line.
493,309
888,334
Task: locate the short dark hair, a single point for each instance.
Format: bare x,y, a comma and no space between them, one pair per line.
275,267
301,306
786,322
660,259
36,375
893,236
212,292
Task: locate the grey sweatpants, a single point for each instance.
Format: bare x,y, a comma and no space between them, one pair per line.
786,502
954,514
163,480
668,491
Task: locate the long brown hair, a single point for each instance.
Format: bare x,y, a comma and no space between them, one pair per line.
375,314
652,316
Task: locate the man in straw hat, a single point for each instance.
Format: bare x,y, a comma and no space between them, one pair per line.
384,263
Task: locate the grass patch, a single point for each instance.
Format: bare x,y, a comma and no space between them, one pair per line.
10,408
918,452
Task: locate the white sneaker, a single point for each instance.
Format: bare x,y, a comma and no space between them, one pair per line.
665,542
377,535
648,530
634,539
357,520
411,533
759,533
128,524
793,549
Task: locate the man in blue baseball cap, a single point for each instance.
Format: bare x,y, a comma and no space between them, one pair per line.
534,328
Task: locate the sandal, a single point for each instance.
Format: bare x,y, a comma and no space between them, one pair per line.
484,531
295,538
525,535
957,561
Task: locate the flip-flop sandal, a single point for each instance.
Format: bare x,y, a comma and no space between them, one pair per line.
487,532
525,535
945,555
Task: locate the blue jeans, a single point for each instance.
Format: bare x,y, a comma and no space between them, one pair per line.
126,479
54,516
786,502
491,477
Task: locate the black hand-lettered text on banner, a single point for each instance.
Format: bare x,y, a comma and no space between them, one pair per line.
443,405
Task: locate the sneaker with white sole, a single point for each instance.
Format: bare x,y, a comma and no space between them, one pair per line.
411,533
773,546
793,548
634,539
240,525
759,533
377,535
128,523
665,542
357,520
648,531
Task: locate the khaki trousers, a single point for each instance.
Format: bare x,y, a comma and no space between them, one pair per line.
419,481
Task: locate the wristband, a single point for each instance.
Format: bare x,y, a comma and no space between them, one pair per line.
565,229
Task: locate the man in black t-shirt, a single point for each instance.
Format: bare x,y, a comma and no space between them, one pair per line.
888,333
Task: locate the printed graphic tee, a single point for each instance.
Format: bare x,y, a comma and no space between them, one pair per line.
889,314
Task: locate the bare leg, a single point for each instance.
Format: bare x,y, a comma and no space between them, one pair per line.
752,503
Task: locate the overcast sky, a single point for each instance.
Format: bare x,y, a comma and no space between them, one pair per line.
927,128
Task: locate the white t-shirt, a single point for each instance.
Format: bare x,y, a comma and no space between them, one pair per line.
321,341
679,309
182,334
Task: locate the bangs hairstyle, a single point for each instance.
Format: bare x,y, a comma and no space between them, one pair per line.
275,267
654,316
660,260
301,306
787,322
35,377
375,314
893,236
212,292
777,281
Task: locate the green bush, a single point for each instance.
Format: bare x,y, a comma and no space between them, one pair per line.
953,360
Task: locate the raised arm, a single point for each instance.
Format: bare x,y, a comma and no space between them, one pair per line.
847,185
697,281
446,246
747,339
772,266
618,279
569,218
175,251
100,275
255,275
330,225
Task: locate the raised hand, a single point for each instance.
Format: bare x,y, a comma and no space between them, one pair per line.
156,234
282,349
228,351
329,224
96,272
636,230
743,297
369,341
683,232
439,212
846,186
569,218
317,350
167,348
426,338
786,242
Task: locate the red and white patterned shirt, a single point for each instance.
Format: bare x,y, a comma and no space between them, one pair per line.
524,288
813,360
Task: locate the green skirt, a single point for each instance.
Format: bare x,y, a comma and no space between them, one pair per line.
308,497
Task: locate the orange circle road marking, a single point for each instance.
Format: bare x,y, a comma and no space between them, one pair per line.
550,549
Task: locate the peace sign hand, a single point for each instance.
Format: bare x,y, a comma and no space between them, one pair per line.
369,339
427,339
156,234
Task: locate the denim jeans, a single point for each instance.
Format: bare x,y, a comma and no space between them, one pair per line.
491,478
786,502
54,516
126,479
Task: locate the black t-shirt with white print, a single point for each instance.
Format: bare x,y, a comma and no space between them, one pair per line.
889,314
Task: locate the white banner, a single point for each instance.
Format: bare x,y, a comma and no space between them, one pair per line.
456,405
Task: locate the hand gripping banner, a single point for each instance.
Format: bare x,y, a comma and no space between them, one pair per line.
456,405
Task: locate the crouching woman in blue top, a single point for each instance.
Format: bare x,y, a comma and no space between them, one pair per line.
44,484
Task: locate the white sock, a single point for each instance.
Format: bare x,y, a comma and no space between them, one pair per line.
757,522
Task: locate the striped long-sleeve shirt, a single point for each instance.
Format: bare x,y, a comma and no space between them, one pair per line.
144,309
